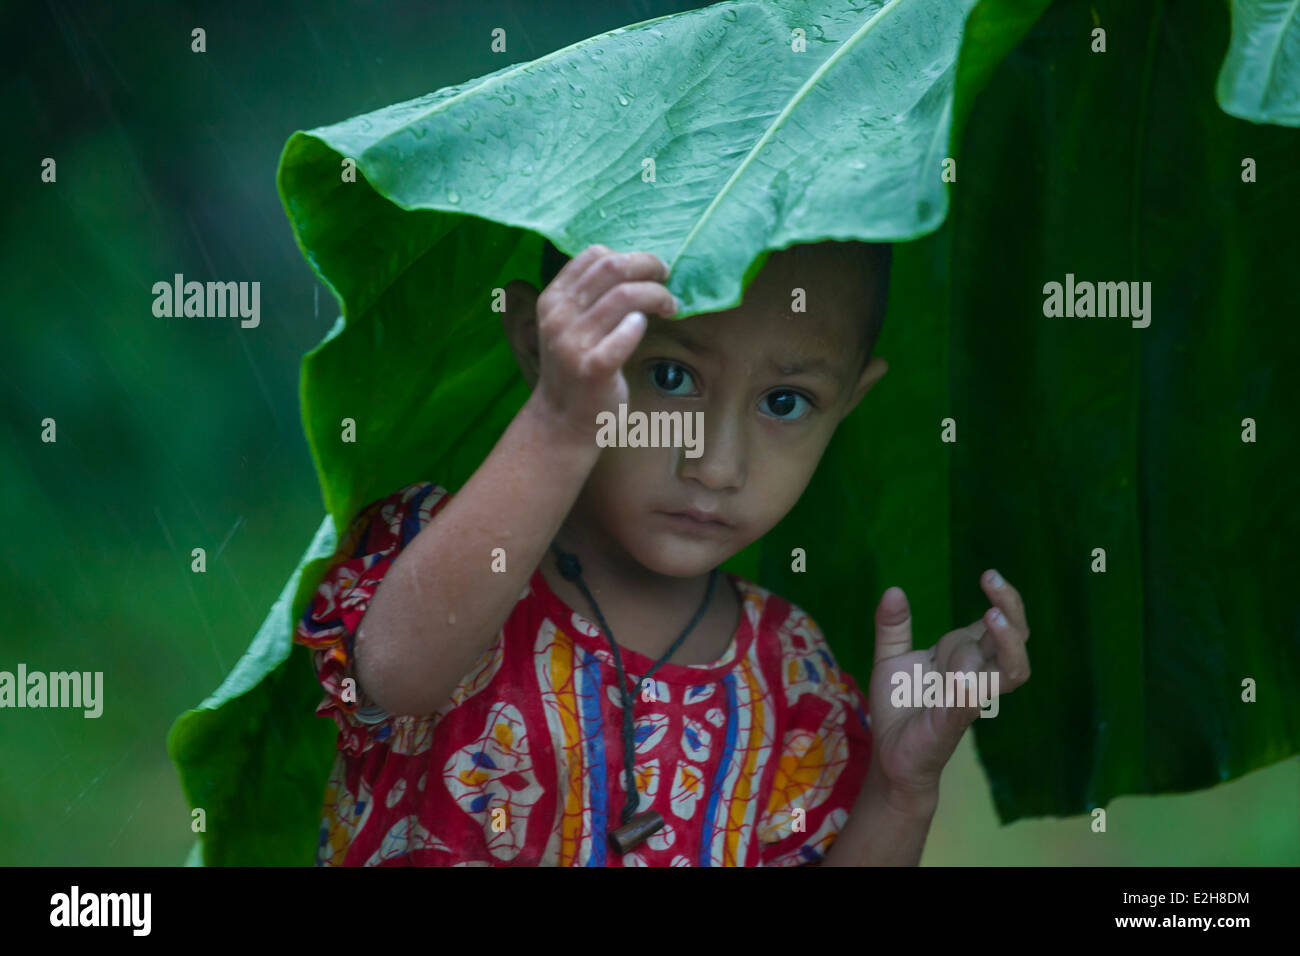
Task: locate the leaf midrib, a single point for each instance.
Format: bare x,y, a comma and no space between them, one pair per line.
794,102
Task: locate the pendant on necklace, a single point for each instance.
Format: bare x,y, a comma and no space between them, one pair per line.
636,831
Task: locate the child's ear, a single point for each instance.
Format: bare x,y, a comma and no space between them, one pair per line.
872,374
519,320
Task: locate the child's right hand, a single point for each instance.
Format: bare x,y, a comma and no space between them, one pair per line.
589,321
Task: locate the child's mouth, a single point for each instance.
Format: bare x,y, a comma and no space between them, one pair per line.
694,521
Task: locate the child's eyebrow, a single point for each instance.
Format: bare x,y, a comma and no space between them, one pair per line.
803,366
678,335
796,366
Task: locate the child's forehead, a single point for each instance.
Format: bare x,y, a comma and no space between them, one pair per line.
803,308
770,336
772,312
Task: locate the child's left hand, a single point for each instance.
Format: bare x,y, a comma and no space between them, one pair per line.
911,745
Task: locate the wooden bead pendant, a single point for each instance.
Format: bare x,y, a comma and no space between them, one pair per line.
636,831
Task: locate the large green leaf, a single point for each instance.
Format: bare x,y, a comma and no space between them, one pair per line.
248,760
1081,433
1260,78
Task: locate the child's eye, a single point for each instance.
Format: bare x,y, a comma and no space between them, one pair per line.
669,377
781,403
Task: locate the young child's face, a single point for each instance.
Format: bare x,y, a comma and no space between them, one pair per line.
772,385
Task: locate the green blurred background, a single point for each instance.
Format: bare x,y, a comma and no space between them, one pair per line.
182,433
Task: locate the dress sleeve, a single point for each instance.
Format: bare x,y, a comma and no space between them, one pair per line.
329,625
825,750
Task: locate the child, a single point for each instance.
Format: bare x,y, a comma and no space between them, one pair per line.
493,658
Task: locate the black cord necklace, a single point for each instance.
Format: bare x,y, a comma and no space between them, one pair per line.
635,829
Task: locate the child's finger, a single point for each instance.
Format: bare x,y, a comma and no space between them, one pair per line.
942,651
1012,657
611,352
603,317
1004,596
574,269
893,625
966,659
612,270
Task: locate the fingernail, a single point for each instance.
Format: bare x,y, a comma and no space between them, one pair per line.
998,619
678,302
667,267
996,580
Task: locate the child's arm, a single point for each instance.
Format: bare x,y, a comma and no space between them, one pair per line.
437,609
885,827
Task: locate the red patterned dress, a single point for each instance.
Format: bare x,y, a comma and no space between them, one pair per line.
754,760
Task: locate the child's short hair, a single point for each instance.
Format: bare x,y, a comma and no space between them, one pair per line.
878,256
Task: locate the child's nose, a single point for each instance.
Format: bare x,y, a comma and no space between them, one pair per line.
720,464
